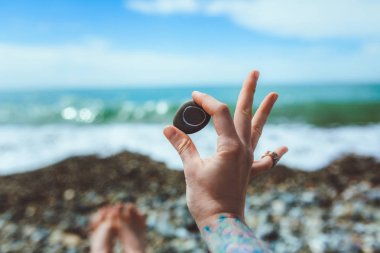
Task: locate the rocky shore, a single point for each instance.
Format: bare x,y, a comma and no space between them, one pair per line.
336,209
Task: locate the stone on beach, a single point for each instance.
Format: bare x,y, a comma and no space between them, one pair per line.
332,210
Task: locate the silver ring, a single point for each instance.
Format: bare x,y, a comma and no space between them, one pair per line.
273,155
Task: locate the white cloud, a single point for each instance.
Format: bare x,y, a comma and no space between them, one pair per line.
92,64
297,18
98,64
164,6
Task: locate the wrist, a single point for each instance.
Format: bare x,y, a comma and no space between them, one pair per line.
209,221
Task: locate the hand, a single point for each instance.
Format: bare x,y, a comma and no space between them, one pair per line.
218,184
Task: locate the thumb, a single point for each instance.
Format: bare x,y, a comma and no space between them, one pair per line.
182,143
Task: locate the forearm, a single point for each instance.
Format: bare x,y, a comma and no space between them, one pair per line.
227,233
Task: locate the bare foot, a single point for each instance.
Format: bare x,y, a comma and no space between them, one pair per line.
103,228
132,229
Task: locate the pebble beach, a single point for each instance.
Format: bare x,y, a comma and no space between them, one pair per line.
335,209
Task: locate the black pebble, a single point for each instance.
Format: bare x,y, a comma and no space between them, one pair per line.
191,118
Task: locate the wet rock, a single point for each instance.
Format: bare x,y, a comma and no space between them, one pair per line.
30,211
373,196
55,237
69,194
278,207
70,240
39,235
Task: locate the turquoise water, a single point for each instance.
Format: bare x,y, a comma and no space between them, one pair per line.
320,105
318,123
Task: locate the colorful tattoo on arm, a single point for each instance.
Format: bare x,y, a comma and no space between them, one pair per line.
229,234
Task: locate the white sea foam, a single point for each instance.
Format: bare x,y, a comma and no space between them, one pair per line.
25,148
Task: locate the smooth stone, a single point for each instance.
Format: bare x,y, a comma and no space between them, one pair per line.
191,118
71,240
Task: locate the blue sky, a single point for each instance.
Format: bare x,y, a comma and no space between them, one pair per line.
78,43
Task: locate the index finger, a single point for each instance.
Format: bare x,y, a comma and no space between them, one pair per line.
220,113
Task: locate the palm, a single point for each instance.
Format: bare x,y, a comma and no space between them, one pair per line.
220,181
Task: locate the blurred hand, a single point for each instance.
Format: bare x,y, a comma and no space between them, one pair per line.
218,184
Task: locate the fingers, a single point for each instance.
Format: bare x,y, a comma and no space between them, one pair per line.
220,113
266,162
243,111
182,143
260,118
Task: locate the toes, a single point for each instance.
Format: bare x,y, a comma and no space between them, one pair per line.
108,214
136,214
126,211
133,215
114,217
98,217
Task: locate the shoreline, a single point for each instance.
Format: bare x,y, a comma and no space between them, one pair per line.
54,203
54,143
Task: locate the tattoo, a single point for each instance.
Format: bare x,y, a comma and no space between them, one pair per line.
228,234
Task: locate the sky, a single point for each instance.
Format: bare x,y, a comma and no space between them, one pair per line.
81,43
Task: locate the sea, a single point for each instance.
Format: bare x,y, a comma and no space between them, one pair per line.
319,123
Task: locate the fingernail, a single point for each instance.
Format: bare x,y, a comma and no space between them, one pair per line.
257,74
169,132
197,93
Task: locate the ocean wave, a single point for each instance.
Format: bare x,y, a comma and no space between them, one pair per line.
27,147
161,111
327,106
